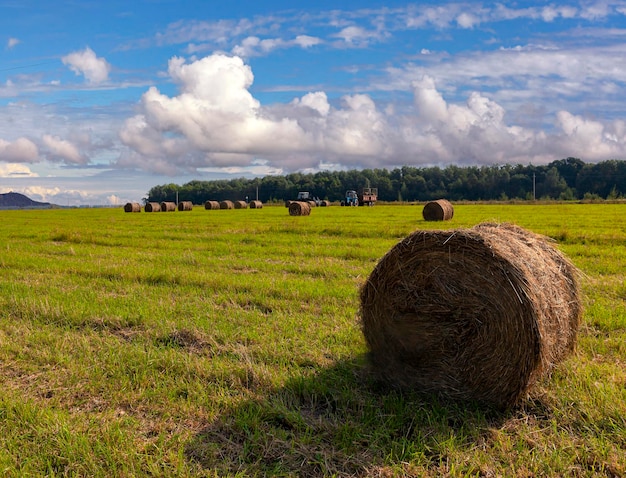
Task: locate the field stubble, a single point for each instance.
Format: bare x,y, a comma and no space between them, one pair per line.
226,343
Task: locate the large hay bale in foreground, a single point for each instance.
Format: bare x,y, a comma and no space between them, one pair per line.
256,204
152,207
440,210
473,314
210,205
167,206
227,205
299,208
185,206
240,205
132,207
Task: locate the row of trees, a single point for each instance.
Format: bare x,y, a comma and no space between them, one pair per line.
566,179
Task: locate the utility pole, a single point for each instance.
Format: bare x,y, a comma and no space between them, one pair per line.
534,189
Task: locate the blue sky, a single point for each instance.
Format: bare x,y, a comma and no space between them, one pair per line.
100,101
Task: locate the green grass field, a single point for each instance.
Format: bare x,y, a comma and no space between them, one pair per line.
227,343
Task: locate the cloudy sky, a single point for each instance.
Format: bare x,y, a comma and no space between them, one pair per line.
100,101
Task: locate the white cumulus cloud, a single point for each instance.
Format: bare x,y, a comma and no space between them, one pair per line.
215,121
22,150
15,170
85,62
62,149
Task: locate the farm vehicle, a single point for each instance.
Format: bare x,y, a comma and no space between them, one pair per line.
367,197
305,196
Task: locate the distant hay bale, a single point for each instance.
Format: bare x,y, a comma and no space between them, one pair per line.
240,205
132,207
256,204
227,205
185,206
324,203
212,205
167,206
312,203
299,208
440,210
152,207
476,314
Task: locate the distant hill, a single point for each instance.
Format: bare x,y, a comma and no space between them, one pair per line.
19,201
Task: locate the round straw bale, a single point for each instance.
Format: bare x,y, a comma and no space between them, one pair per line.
132,207
474,314
299,208
241,205
152,207
440,210
167,206
325,203
256,204
312,203
212,205
185,206
227,205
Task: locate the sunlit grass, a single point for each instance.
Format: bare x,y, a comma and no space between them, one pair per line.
211,343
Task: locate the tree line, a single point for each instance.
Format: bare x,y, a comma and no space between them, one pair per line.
565,179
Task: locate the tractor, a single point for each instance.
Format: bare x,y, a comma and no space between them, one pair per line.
367,197
351,199
306,196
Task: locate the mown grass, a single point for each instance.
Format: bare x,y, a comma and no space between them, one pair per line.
226,343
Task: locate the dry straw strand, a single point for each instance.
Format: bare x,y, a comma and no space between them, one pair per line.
152,207
299,208
476,314
440,210
132,207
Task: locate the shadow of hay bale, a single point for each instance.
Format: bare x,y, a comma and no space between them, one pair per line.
473,314
337,421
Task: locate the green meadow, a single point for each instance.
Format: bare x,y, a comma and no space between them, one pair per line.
227,343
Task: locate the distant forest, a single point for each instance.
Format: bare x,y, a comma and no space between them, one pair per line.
565,179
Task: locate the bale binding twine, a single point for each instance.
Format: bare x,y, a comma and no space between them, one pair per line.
476,314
